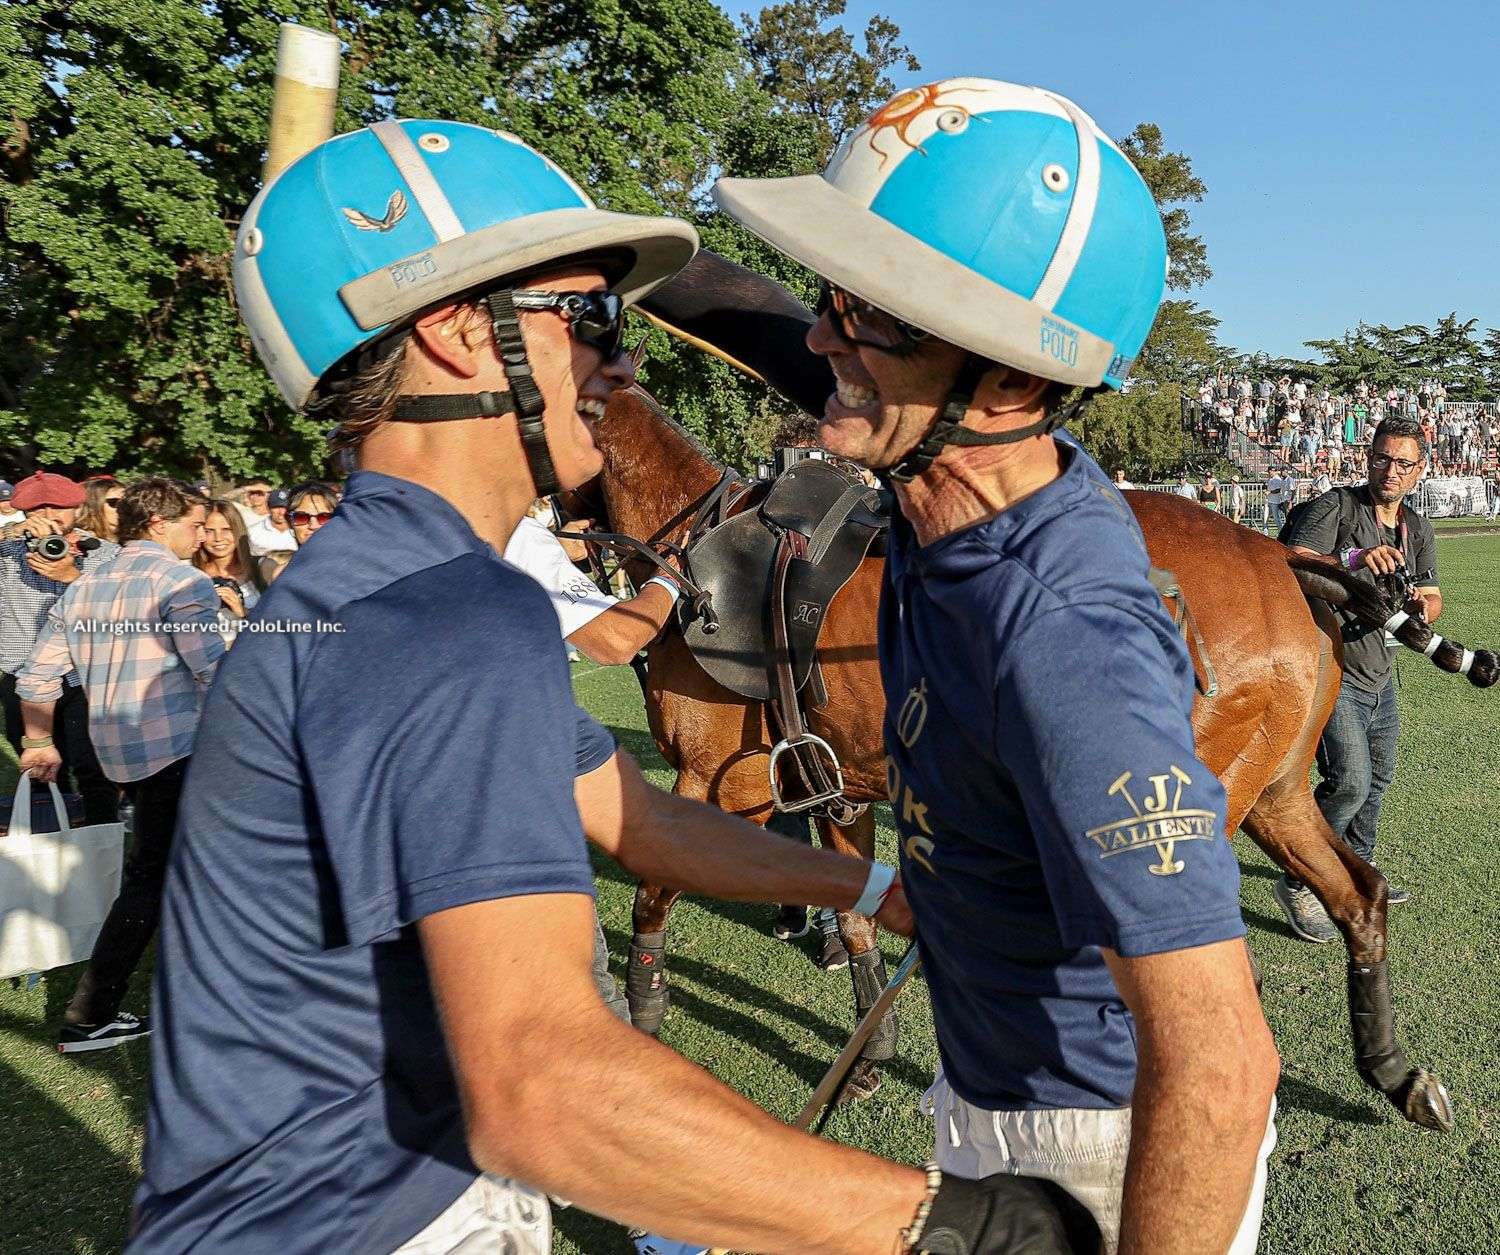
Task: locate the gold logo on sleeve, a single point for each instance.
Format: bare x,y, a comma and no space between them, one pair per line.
1154,823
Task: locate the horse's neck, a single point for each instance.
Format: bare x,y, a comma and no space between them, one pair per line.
653,471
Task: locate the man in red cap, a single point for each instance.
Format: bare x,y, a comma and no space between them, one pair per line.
30,581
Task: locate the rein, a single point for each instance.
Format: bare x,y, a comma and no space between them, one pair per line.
704,512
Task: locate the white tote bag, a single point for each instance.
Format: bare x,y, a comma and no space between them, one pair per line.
55,887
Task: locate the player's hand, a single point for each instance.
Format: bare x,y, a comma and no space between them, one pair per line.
577,550
895,912
1416,607
42,764
1006,1214
64,569
1382,560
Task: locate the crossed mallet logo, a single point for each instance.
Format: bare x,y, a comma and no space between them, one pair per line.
1161,823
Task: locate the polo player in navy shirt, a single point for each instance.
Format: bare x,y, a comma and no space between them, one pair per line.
376,1025
987,252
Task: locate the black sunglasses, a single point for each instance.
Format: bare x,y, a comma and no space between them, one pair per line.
596,319
860,323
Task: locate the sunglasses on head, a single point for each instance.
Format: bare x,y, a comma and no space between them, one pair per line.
860,323
596,319
114,502
301,518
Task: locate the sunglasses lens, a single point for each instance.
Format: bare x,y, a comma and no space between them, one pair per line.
601,323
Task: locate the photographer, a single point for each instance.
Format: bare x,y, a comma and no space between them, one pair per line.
39,557
140,633
1371,530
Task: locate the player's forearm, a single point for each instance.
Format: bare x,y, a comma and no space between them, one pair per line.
1187,1113
36,717
708,1166
681,844
621,632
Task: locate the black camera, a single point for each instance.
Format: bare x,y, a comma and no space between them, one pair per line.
223,581
51,547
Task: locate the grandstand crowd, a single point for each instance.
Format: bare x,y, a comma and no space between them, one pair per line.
1315,430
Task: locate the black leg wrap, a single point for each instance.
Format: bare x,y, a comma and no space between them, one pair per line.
868,971
1381,1062
646,981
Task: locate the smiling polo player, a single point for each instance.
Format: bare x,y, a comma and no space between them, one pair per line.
985,250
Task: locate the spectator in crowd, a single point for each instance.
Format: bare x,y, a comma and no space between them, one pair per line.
1209,494
1185,488
274,532
1236,501
145,689
1121,482
1280,489
225,558
1372,531
250,500
101,501
203,489
30,585
308,507
8,513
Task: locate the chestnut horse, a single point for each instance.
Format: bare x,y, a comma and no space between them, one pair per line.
1277,659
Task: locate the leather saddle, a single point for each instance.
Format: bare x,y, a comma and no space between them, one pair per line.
773,569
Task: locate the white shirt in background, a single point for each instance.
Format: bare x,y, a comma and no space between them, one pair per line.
576,600
265,538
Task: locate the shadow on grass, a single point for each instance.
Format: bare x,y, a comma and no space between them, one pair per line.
1256,871
62,1185
1269,924
589,1232
1305,1096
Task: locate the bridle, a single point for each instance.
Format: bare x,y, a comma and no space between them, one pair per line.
699,515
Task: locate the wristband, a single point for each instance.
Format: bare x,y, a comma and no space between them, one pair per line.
877,888
1351,559
36,742
661,581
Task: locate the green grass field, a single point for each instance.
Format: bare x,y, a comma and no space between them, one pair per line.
1347,1176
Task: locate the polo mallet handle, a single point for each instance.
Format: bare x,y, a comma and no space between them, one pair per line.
833,1080
306,90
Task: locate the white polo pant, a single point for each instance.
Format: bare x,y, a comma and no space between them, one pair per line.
494,1216
1082,1149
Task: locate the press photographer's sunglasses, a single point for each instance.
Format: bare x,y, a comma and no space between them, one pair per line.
301,518
596,319
859,322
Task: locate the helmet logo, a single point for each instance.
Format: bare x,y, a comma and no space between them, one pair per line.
902,110
395,210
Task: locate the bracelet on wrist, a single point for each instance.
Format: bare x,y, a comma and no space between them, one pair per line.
912,1234
1352,559
877,888
661,581
36,742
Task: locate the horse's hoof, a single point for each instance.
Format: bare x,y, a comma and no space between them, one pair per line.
864,1082
1423,1099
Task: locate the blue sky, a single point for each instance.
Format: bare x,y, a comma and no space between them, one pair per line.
1351,151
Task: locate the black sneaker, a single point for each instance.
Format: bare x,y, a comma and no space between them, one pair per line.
791,923
125,1027
831,956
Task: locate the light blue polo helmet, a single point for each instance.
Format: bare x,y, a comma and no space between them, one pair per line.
369,229
995,216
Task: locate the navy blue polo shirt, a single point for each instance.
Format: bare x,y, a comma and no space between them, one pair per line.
393,734
1045,787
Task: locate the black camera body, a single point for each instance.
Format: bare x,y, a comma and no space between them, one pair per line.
51,547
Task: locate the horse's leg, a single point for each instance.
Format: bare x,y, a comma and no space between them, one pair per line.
866,965
1287,824
646,976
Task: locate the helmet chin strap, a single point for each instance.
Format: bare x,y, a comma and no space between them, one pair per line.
947,428
524,399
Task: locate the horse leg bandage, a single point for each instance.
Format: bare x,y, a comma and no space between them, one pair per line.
1381,1062
869,975
646,981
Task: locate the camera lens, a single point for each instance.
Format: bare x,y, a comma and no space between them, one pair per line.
49,547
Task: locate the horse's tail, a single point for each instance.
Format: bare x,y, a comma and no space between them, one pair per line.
1325,580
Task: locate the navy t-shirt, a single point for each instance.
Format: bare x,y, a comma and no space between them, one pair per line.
1045,787
393,734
